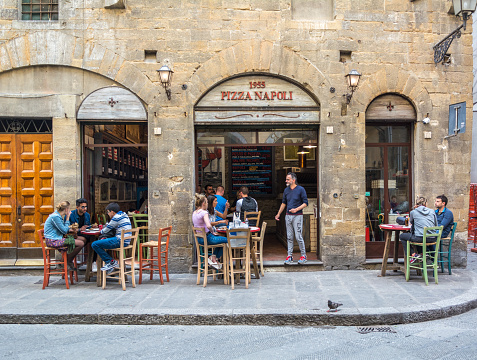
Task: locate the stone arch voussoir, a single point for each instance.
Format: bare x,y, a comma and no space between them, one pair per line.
250,56
391,81
53,47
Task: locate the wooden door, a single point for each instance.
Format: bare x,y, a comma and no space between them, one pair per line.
34,186
8,190
26,193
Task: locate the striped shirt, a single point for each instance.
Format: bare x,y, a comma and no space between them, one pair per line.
119,222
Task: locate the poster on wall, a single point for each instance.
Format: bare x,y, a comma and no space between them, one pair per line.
211,161
252,166
103,190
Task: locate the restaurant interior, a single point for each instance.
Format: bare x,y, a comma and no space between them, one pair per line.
260,160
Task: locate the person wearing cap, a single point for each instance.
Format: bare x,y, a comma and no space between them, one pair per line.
119,221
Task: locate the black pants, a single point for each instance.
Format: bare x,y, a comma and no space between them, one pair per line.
405,237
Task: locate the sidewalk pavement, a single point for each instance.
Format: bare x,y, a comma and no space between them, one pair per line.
278,298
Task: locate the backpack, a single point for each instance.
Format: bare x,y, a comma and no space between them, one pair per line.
248,204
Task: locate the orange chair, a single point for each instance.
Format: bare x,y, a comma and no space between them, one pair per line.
155,254
49,261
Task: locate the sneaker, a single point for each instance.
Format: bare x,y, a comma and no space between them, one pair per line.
302,260
289,260
415,257
109,267
94,267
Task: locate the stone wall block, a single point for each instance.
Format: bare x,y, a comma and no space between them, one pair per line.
22,49
255,54
5,63
276,58
93,56
54,47
243,52
12,52
265,55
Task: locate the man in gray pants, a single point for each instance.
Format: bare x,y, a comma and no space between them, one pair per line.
294,200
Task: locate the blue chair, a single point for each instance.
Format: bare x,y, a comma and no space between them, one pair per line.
445,256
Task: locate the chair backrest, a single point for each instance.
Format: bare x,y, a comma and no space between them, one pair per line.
253,216
41,236
454,226
132,239
101,219
165,235
199,232
238,238
140,220
431,234
262,230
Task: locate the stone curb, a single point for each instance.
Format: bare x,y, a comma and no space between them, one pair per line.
359,318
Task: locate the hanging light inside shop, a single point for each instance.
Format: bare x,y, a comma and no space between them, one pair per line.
302,150
165,74
311,145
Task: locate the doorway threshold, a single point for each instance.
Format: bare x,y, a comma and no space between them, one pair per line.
21,263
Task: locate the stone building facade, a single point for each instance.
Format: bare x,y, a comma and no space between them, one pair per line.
48,68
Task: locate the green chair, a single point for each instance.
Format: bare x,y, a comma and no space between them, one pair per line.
141,221
445,255
101,219
421,263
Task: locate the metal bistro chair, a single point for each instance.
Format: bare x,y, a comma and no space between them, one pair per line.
50,263
445,255
154,260
239,251
121,273
203,252
421,263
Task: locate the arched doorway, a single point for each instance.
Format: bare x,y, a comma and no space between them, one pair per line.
115,152
389,126
248,131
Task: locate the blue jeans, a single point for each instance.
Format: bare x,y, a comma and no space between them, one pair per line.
100,247
214,240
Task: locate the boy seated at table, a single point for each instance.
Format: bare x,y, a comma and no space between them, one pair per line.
119,221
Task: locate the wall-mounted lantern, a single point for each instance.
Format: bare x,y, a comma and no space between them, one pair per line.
463,8
165,75
353,80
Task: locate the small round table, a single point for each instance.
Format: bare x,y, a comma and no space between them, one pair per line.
388,229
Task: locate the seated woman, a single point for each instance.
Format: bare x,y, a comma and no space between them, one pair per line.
200,218
57,227
212,203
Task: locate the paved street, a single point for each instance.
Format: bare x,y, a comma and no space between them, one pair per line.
451,338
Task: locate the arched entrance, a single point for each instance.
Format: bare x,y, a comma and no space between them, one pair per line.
249,129
114,133
389,132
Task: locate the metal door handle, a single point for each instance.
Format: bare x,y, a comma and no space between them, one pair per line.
19,210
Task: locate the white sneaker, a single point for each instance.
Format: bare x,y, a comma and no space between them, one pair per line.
94,267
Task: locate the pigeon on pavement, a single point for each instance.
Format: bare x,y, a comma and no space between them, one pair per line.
333,306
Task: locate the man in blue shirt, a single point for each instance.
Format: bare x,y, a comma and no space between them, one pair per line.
294,200
222,202
444,215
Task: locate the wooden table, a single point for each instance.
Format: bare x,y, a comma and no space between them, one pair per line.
253,229
388,230
89,261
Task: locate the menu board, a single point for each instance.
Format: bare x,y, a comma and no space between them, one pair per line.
252,166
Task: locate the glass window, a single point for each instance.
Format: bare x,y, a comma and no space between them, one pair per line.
46,10
387,134
273,136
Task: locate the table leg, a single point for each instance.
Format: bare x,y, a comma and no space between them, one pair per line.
396,248
255,265
89,263
387,237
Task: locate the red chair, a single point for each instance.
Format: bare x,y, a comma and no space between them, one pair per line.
154,257
50,263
